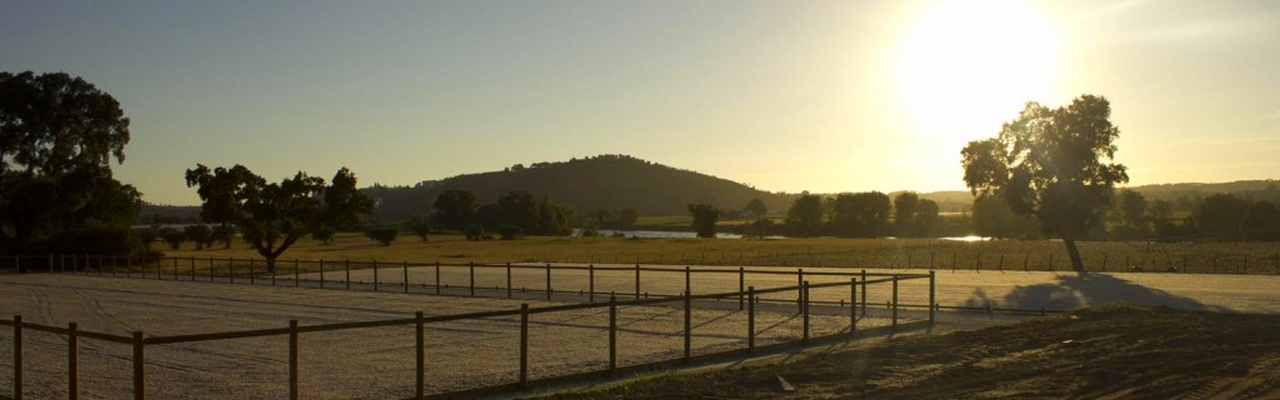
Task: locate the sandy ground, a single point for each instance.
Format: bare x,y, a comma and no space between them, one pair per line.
364,363
378,363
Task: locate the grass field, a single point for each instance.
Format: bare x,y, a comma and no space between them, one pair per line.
1034,255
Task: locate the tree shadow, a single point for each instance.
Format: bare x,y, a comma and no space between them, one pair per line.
1085,290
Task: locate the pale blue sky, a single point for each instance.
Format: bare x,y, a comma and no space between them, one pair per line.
825,96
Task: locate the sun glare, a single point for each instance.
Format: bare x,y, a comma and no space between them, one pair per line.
964,67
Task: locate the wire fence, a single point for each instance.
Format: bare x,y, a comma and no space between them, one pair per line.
835,293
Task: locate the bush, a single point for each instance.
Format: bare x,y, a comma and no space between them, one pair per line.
147,236
474,231
509,232
324,235
201,235
383,235
173,237
224,234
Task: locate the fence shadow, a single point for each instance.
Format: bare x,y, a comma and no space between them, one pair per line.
1088,289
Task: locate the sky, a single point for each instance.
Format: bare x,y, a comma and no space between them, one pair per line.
824,96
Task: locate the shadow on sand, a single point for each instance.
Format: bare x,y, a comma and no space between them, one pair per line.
1084,290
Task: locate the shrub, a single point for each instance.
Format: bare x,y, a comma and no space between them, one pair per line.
173,237
383,235
474,231
224,234
509,232
201,235
324,235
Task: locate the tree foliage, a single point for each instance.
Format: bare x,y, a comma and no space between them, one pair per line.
804,218
1049,164
860,214
455,209
273,216
705,217
58,135
383,235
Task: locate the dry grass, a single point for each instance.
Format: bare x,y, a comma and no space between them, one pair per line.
1253,258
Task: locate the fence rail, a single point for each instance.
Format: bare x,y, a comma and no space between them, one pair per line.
139,340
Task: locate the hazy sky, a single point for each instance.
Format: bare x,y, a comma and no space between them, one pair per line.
825,96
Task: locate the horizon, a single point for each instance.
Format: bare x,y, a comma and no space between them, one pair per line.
783,97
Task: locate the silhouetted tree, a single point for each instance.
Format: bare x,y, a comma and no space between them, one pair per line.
455,209
271,216
344,206
627,218
324,235
860,214
420,225
805,215
755,208
225,234
1222,216
172,237
1129,216
904,213
1047,164
705,217
58,134
1263,223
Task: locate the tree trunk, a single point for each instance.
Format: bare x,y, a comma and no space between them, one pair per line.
271,264
1076,263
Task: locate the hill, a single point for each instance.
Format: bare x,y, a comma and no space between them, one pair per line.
610,182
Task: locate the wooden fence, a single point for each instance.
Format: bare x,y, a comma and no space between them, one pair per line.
747,298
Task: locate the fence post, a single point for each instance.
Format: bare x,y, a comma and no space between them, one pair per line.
613,336
471,268
1050,262
804,309
933,280
420,336
688,285
895,301
508,280
193,268
139,367
688,327
144,274
638,278
741,282
591,283
406,275
799,290
293,359
73,366
17,352
548,281
863,281
853,304
524,345
751,319
346,265
322,273
1026,259
375,275
252,279
978,266
297,277
1104,262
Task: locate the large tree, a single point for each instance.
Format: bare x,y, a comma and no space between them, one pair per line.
455,209
273,216
1049,163
58,135
804,217
860,214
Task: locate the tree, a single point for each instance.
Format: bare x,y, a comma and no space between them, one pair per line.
1222,216
1129,216
58,135
755,208
1048,164
420,225
172,237
344,206
201,235
705,217
905,205
1263,223
805,215
860,214
455,209
271,216
225,234
627,218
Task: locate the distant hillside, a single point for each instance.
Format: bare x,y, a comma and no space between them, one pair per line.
610,182
1182,194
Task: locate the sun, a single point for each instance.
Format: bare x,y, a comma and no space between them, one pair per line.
964,67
